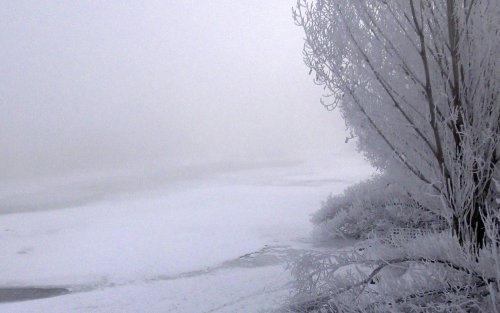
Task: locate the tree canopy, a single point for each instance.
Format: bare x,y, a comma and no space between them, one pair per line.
418,83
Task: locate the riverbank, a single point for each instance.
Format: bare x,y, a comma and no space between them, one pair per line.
211,244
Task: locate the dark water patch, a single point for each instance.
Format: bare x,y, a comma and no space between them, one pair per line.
14,294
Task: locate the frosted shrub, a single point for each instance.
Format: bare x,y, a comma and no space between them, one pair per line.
375,205
432,273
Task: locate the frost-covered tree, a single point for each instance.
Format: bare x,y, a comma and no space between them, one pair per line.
418,82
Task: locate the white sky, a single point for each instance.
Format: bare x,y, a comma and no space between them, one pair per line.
106,83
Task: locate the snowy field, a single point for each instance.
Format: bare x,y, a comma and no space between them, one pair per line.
196,239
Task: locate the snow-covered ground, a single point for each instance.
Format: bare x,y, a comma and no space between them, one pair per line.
148,243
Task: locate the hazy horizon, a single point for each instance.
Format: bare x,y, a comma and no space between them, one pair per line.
98,85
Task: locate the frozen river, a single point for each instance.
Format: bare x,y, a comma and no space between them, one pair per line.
193,239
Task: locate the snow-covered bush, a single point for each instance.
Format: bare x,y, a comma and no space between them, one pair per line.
432,273
375,205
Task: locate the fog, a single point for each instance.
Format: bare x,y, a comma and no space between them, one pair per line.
107,84
159,156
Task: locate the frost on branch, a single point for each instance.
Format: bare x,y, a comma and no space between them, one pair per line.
418,83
